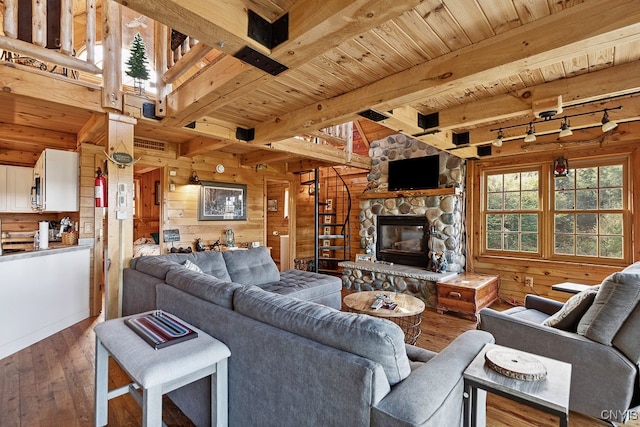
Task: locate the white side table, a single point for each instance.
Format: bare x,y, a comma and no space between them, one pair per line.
158,372
550,394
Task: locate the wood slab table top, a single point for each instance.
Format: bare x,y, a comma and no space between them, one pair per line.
407,305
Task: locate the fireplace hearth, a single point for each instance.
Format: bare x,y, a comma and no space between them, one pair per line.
403,239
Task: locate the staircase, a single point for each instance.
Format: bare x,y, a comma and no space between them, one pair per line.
332,227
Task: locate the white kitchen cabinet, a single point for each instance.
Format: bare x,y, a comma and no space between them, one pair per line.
55,178
3,188
19,181
15,189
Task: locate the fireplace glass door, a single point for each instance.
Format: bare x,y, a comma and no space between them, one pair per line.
402,240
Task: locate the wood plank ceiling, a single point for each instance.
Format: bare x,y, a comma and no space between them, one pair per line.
479,64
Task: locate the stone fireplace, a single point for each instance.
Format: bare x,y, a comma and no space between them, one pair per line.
441,229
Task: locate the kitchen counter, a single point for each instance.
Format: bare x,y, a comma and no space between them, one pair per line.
42,292
30,253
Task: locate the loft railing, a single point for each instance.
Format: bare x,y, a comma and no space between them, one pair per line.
40,44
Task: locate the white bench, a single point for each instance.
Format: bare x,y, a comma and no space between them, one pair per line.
158,372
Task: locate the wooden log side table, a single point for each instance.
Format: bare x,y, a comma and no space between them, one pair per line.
467,293
550,394
407,314
157,372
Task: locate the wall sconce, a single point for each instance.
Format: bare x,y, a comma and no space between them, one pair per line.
560,167
193,179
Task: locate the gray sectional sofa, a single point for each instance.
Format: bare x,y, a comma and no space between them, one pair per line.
597,331
298,361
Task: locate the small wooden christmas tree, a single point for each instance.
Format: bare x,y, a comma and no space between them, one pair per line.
137,63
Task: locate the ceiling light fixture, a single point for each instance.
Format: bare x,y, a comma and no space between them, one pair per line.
565,130
498,141
531,136
607,124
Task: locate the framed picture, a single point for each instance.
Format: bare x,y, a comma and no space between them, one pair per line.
327,231
329,206
326,254
272,205
326,243
364,258
220,201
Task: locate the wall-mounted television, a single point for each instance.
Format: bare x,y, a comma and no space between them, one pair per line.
418,173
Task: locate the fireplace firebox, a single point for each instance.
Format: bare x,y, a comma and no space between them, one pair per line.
403,239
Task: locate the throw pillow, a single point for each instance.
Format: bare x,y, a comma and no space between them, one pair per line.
616,299
569,315
192,266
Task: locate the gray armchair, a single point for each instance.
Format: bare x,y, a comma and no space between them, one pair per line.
602,342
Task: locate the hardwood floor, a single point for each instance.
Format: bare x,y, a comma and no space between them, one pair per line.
51,383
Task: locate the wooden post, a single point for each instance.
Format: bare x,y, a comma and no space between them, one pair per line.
39,22
10,18
119,223
91,31
161,38
66,27
112,55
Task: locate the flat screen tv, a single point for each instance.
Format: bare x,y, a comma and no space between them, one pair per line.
414,174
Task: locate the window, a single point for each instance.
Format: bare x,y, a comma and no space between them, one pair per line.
589,209
526,212
512,211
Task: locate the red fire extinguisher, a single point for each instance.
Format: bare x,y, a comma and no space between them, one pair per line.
100,189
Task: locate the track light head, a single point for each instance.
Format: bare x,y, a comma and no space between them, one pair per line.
565,130
607,124
498,141
531,137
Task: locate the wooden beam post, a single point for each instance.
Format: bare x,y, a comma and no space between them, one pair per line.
10,18
112,54
119,223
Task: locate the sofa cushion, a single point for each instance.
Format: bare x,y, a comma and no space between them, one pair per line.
251,267
569,315
212,262
305,285
627,340
154,266
617,297
203,286
376,339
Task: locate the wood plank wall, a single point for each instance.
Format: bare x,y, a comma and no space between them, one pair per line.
545,273
180,207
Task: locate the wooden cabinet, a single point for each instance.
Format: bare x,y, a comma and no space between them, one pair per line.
467,293
15,189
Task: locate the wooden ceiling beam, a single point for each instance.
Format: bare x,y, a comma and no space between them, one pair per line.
324,153
24,81
262,156
93,130
201,144
582,28
313,30
34,139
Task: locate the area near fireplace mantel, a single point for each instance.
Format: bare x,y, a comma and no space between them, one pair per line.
410,193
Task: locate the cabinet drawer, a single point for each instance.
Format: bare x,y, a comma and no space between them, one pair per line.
456,293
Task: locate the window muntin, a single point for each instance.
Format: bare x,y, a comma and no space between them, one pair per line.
589,212
512,212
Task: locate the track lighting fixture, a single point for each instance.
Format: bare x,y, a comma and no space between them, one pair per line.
498,141
607,124
565,130
531,136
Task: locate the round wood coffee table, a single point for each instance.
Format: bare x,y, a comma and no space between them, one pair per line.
407,314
